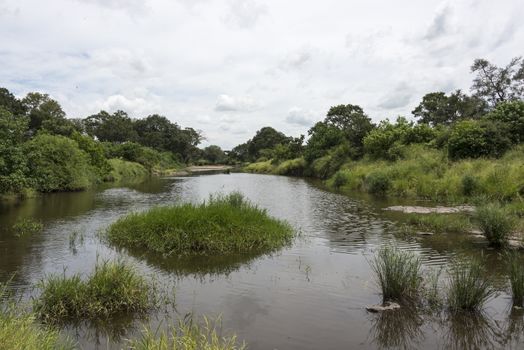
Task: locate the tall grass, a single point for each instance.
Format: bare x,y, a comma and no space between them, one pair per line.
496,223
516,278
112,288
468,287
122,171
398,274
186,337
440,223
223,224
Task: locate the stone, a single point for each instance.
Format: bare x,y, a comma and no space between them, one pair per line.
387,306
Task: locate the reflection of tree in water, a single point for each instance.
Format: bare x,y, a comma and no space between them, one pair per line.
514,330
471,330
397,329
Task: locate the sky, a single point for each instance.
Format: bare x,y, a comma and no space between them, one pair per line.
230,67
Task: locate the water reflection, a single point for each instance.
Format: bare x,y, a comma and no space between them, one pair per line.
399,329
471,330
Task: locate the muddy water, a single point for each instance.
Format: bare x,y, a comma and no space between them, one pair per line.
310,295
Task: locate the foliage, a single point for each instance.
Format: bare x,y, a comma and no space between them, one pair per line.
322,137
95,150
186,336
124,171
440,223
113,288
468,287
474,139
498,84
510,114
496,223
214,154
223,224
516,278
264,139
398,273
27,227
46,114
327,165
55,163
377,183
438,109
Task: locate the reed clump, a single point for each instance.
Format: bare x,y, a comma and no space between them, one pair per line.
187,336
398,273
113,288
516,278
27,227
468,287
223,224
496,223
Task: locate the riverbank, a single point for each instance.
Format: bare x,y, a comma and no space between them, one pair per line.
199,170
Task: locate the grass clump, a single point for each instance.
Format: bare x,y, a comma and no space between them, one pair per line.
122,170
378,183
186,337
516,278
398,274
468,288
113,288
440,223
223,224
26,227
496,223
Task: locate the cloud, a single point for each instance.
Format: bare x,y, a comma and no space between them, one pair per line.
132,6
245,13
135,107
299,116
235,104
440,25
296,60
399,97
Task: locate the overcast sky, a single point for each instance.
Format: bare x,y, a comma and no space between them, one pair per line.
229,67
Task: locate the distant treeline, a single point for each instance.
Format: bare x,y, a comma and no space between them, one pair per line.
42,150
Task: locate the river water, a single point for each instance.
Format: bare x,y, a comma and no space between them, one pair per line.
310,295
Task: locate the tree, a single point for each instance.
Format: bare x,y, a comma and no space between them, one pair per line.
47,114
498,84
353,122
512,114
11,104
474,139
438,109
239,153
116,127
214,154
265,138
322,137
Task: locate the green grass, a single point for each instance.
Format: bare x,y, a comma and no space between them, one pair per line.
496,223
223,224
468,287
398,274
27,227
440,223
19,329
186,337
122,171
516,278
113,288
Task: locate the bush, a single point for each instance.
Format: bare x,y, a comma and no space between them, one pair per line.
224,224
377,183
512,114
474,139
293,167
113,288
397,273
468,288
469,185
55,163
124,171
496,223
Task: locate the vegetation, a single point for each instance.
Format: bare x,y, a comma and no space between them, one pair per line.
468,288
398,274
440,223
186,337
27,227
223,224
113,288
496,223
122,170
516,278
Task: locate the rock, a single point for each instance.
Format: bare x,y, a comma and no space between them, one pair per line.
429,210
514,243
387,306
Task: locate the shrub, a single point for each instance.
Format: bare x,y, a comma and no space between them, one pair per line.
468,287
187,337
112,288
293,167
397,273
57,164
339,179
469,185
474,139
496,223
224,224
124,171
512,114
377,183
516,278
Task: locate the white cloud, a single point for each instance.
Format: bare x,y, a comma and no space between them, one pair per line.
299,116
235,104
245,13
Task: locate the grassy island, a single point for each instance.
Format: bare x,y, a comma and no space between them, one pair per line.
223,224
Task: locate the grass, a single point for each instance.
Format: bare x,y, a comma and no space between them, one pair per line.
516,278
27,227
186,337
398,274
19,329
496,223
223,224
112,288
468,288
122,171
440,223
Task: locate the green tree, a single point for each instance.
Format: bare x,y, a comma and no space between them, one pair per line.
13,162
46,114
56,163
322,137
214,154
116,127
474,139
498,84
512,114
96,153
265,138
10,103
437,108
